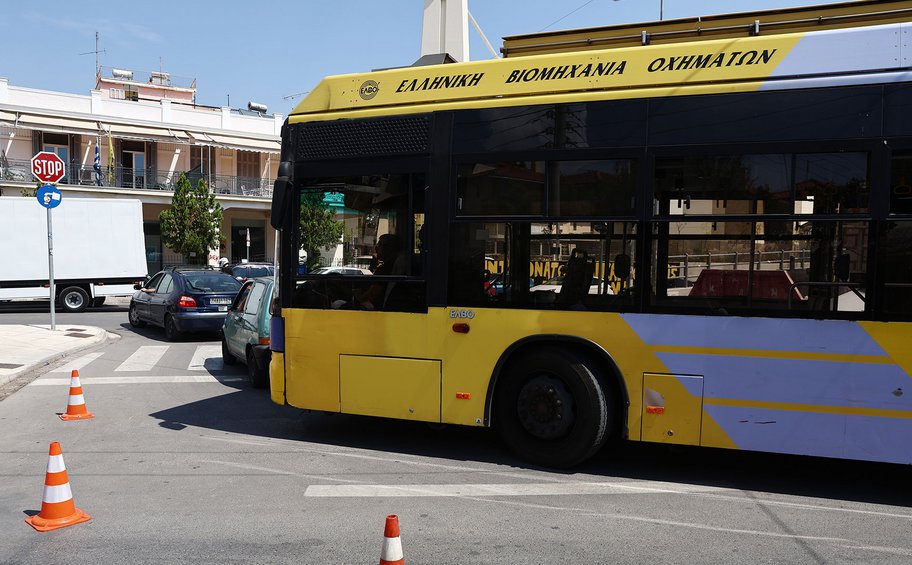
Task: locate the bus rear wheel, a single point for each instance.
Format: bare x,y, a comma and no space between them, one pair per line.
550,408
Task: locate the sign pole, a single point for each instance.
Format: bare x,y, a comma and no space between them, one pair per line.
49,168
50,227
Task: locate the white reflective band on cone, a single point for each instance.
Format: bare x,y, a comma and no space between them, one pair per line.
74,382
55,464
58,493
392,549
77,399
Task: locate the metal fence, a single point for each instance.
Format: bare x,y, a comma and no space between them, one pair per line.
141,179
691,265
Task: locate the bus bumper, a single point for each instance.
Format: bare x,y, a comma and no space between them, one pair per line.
277,377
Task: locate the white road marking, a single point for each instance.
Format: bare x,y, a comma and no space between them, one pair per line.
276,471
207,358
143,359
153,379
78,363
492,489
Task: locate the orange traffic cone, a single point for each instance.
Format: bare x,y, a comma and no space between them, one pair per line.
391,554
57,507
76,407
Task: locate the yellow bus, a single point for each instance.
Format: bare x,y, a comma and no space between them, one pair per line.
705,242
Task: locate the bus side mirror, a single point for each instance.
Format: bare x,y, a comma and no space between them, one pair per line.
281,195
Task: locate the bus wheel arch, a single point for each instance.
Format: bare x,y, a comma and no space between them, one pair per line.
555,400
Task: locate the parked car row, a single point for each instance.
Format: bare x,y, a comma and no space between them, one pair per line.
233,301
184,300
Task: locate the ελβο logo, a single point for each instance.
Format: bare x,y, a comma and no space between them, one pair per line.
369,89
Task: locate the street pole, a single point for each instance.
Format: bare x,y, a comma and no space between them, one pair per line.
661,10
50,227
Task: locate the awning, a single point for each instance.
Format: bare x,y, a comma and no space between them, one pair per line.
183,136
246,143
201,138
142,133
49,123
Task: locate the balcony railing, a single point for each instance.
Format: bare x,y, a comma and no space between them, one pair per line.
141,179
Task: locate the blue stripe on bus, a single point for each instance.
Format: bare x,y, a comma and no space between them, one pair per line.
797,381
813,336
825,435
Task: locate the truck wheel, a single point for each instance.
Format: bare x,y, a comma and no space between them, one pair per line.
73,299
550,409
258,378
98,301
171,331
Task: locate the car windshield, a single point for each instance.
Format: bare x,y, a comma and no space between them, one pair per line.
554,280
211,282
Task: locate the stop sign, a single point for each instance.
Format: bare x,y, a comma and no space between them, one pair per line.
48,167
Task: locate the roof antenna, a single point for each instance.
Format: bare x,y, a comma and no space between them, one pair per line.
96,52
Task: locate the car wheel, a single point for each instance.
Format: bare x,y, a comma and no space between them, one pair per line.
258,377
171,331
134,317
74,299
550,408
227,357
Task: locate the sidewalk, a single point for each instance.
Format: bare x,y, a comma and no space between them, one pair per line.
25,348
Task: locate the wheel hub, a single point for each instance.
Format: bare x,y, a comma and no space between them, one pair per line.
545,407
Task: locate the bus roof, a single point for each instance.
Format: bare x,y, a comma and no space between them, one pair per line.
746,63
704,28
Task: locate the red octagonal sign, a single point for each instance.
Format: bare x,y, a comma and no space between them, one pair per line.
48,167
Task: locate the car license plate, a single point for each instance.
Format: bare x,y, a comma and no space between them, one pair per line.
223,308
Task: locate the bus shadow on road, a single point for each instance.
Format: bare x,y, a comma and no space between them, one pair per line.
251,412
834,479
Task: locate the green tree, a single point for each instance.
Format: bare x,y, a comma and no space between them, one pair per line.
319,227
191,225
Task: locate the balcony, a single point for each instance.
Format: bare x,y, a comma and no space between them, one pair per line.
124,178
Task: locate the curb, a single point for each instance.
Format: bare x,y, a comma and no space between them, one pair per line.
31,369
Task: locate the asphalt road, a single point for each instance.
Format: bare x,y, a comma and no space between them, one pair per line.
185,463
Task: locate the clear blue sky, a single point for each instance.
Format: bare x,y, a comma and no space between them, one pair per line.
267,50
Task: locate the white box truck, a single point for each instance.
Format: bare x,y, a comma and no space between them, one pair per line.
99,250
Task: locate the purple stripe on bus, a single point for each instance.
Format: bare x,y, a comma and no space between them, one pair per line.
814,336
825,435
827,383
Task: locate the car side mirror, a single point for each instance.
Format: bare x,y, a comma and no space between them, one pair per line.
137,286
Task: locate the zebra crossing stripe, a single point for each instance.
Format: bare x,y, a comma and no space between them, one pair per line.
151,379
207,358
78,363
143,359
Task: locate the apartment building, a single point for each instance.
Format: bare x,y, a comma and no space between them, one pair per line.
144,129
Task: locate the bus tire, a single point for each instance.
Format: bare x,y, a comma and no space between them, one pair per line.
550,408
73,299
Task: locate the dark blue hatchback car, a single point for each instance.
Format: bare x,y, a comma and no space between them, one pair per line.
184,300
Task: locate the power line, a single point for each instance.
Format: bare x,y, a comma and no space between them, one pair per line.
565,16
